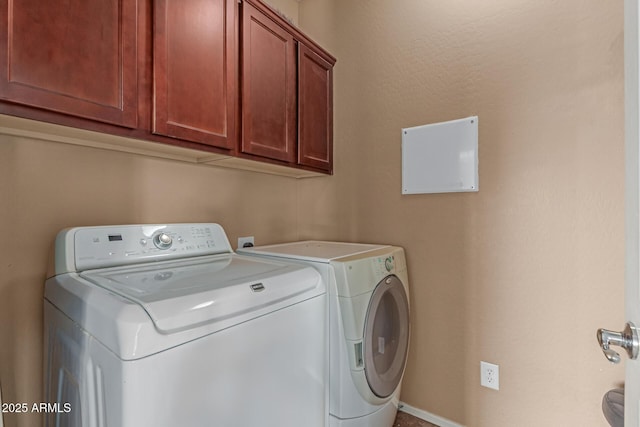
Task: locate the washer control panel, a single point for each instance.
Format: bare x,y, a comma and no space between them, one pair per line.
84,248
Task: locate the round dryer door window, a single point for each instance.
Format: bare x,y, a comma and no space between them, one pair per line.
386,336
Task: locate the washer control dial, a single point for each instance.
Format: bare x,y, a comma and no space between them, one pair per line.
162,241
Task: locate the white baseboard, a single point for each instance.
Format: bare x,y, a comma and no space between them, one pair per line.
427,416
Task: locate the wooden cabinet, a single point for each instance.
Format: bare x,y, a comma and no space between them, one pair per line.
287,111
315,110
268,87
76,57
194,71
220,76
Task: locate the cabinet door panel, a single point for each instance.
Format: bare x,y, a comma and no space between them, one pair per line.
195,80
269,88
315,110
71,56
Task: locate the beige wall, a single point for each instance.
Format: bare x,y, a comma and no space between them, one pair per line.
522,273
288,8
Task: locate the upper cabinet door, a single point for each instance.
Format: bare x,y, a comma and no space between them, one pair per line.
195,78
315,110
71,56
268,87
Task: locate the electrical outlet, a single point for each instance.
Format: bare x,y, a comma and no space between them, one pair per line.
245,242
490,375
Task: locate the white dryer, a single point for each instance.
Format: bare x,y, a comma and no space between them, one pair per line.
163,325
368,325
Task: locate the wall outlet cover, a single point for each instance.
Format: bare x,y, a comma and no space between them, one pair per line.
490,375
244,242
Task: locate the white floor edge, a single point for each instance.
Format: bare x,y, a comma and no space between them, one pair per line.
427,416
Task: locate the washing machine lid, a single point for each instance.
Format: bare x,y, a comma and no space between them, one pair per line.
185,294
312,250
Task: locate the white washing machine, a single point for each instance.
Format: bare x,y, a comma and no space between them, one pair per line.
368,325
163,325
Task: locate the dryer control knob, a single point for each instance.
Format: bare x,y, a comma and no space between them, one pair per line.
388,263
162,241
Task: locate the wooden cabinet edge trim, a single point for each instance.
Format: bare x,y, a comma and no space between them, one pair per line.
21,127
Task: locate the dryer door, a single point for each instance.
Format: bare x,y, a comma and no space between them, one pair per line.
386,336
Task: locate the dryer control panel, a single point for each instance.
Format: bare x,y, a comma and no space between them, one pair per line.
85,248
384,264
360,275
389,264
